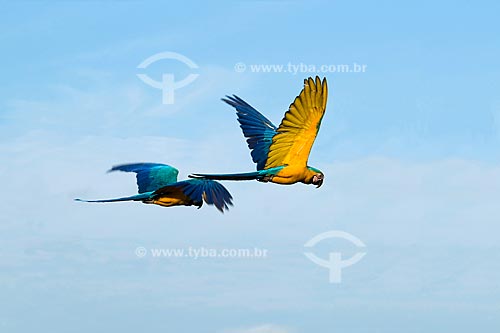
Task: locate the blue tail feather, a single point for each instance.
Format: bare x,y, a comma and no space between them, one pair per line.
258,175
137,197
231,176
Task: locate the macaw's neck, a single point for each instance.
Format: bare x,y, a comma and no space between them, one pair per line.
309,174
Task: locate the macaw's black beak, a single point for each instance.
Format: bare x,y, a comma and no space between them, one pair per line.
318,180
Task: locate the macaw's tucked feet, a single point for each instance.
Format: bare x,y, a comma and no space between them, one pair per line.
266,179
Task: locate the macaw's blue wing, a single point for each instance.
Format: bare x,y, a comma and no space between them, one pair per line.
150,176
258,130
199,190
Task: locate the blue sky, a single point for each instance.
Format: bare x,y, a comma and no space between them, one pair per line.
409,149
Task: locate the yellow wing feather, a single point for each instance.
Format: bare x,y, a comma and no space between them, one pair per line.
299,127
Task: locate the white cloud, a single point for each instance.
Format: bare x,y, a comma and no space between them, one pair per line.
446,211
428,226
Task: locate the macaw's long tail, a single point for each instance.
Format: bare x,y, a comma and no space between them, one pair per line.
230,176
137,197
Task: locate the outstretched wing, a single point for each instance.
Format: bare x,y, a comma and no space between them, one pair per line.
150,176
199,190
258,130
299,127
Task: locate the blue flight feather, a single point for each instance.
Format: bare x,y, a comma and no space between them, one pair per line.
150,176
258,130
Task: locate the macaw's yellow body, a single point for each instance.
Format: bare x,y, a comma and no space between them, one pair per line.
293,174
282,153
174,199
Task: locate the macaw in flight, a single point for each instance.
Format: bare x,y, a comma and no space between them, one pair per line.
281,153
158,185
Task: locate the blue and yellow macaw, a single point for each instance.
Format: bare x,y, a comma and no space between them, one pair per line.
158,185
281,153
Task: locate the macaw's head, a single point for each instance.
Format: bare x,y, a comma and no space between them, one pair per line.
317,176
